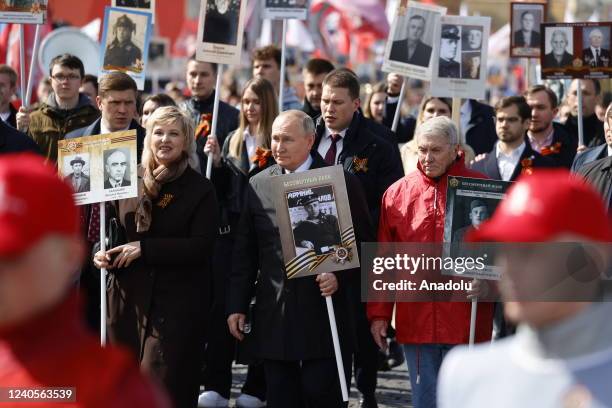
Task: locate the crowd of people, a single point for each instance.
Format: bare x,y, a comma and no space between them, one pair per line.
197,279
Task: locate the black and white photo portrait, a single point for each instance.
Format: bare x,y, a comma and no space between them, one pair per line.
221,22
478,213
76,169
286,3
596,46
526,23
124,42
116,168
141,4
470,65
413,38
558,41
449,65
314,220
471,38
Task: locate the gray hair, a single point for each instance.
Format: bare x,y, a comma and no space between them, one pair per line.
308,126
595,31
438,126
561,33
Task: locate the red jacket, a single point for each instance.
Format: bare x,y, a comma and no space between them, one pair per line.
55,350
413,210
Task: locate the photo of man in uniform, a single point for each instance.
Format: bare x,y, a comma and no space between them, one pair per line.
558,57
77,179
449,42
479,212
221,22
115,166
319,231
595,56
122,52
526,36
412,50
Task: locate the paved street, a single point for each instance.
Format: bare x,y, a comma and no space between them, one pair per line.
392,389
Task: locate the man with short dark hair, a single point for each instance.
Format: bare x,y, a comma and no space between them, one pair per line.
122,52
77,179
527,37
412,50
266,64
313,74
512,155
449,44
544,135
64,111
8,86
592,127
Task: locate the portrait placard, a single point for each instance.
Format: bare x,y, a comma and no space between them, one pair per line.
409,49
125,39
138,5
23,11
220,31
101,167
285,9
469,202
159,53
525,35
576,50
314,221
459,67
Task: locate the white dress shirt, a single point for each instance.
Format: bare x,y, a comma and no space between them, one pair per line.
104,130
326,143
251,147
303,167
594,51
508,162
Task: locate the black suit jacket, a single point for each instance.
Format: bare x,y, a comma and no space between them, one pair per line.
14,141
589,155
565,156
420,57
519,41
383,165
290,319
589,58
94,129
124,183
490,168
599,175
551,62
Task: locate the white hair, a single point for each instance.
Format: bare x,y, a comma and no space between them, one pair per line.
308,126
438,126
595,31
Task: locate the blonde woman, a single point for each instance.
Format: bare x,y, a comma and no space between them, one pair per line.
159,282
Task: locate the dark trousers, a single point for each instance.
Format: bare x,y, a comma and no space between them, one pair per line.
305,384
366,356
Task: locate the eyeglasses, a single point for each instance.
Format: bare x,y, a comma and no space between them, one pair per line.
62,78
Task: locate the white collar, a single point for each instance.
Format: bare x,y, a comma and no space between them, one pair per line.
104,130
513,155
594,50
303,167
328,132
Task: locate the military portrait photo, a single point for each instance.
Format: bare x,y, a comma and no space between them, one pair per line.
558,44
221,22
478,211
413,39
125,40
116,168
596,46
449,65
525,37
314,220
76,172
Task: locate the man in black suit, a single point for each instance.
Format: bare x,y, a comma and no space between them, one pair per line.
593,128
115,166
291,330
13,141
512,156
448,67
558,57
412,50
595,56
527,36
78,180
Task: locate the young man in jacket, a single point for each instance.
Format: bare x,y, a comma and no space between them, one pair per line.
313,74
64,111
413,210
8,86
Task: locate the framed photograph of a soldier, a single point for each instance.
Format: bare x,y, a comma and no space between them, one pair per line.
314,221
460,59
525,35
23,11
125,42
141,5
100,168
220,31
469,202
285,9
576,50
409,48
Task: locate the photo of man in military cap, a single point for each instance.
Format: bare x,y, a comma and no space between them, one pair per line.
449,43
77,179
122,52
221,22
479,212
319,231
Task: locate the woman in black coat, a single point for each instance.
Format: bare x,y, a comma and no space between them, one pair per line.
159,282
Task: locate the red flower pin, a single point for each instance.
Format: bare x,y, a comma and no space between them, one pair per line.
261,157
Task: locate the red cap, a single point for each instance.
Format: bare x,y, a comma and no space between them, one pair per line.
544,205
34,203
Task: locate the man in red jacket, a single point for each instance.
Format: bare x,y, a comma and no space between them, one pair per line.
413,210
46,355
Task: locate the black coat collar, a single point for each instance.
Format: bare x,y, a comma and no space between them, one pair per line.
355,141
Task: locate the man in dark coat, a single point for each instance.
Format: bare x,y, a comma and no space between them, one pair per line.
558,57
593,128
13,141
449,43
595,56
313,75
122,52
290,324
599,175
513,155
412,50
478,126
599,152
527,36
78,180
8,86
